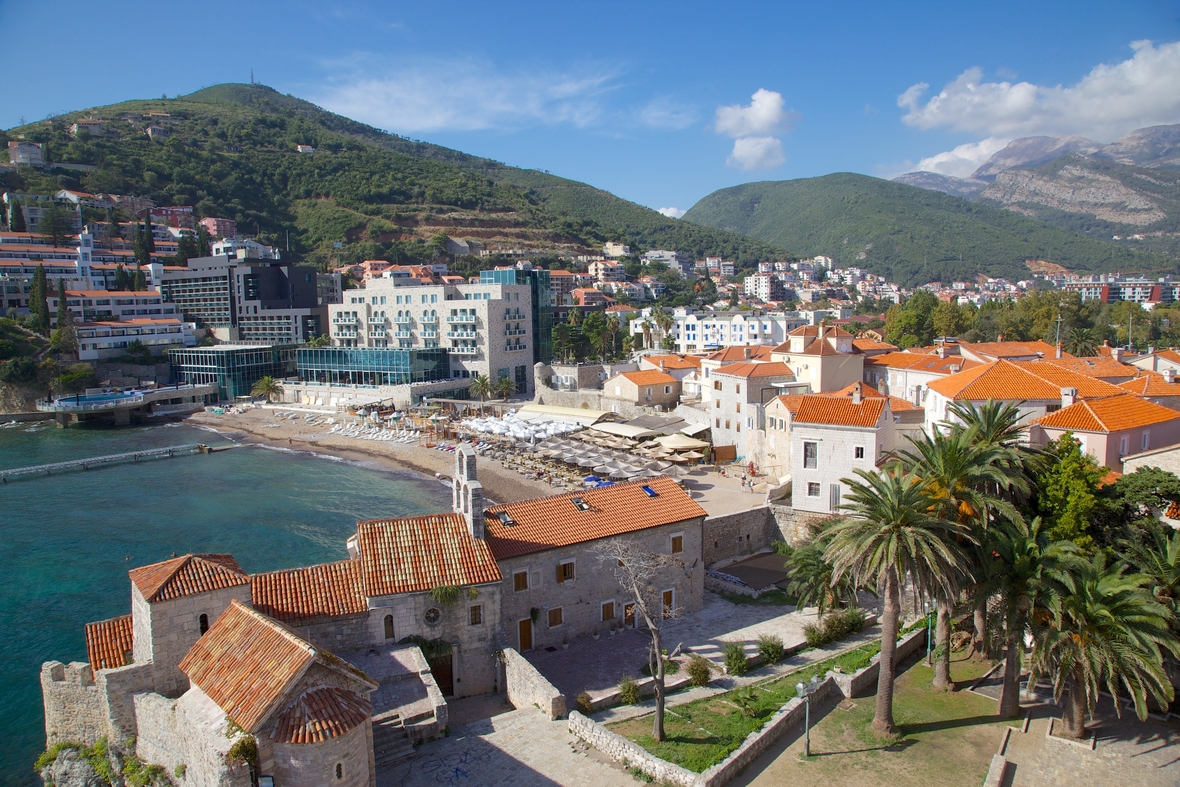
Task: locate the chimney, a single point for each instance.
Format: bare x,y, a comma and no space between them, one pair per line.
1068,396
747,352
942,351
856,394
1169,376
467,492
917,396
1059,350
1117,353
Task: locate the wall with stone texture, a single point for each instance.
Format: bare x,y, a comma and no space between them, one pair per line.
1167,459
528,687
347,632
314,764
118,687
74,706
864,679
191,732
738,534
794,526
622,750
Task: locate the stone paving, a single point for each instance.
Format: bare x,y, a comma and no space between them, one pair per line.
1128,752
521,747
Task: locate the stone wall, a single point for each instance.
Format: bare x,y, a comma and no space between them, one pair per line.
794,526
189,732
347,632
738,534
74,707
118,687
864,679
622,750
527,686
314,765
1167,459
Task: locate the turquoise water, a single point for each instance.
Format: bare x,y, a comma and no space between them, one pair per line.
68,540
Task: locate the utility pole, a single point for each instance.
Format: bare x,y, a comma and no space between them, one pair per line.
1058,321
1130,329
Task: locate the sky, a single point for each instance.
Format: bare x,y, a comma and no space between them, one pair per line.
661,103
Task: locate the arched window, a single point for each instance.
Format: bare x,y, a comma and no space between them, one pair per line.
204,623
339,771
389,626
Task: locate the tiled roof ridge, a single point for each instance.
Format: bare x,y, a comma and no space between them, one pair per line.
213,571
839,410
310,717
305,594
109,641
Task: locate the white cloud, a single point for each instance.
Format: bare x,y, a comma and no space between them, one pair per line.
672,213
752,153
964,159
764,116
666,113
467,96
1106,103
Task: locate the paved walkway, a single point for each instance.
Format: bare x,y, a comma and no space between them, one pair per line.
521,747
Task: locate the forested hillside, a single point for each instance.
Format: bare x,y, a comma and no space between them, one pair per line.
908,234
230,152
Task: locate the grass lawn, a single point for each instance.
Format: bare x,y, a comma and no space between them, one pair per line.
949,739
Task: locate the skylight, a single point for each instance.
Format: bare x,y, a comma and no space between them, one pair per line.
647,490
505,520
580,504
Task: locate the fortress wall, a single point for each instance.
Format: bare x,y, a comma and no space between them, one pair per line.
74,706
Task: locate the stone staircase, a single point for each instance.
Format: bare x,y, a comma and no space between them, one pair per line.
390,742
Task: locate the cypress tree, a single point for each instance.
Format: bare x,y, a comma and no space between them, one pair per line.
149,240
140,282
16,219
122,280
142,257
204,243
38,304
64,316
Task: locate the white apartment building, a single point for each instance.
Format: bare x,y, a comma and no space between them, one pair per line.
695,332
830,438
764,287
606,271
486,328
612,249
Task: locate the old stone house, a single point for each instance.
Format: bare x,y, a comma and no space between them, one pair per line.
650,388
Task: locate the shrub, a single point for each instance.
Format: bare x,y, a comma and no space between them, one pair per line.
180,770
814,635
670,668
699,670
836,625
628,690
783,548
747,701
585,705
770,647
734,654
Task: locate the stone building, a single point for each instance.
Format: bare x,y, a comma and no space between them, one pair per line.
648,388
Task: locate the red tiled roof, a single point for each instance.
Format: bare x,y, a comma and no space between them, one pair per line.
1000,350
109,643
1113,414
838,411
921,362
186,575
649,377
1170,355
775,369
247,663
1151,384
673,361
896,404
413,554
1010,381
301,596
758,352
556,521
321,714
1101,367
865,345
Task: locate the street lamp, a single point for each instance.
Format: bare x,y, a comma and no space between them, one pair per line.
929,639
805,690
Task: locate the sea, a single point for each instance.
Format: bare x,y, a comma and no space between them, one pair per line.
67,540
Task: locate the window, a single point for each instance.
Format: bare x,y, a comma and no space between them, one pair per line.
717,404
738,405
810,455
1124,446
339,771
716,385
475,615
204,624
555,617
812,490
565,572
726,423
738,425
432,616
1146,439
389,626
858,452
677,544
667,389
520,581
608,610
717,423
738,388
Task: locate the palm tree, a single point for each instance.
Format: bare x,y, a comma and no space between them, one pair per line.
812,582
1023,567
1157,557
892,534
599,341
269,387
1104,631
1080,342
613,326
647,328
322,340
480,386
505,387
663,321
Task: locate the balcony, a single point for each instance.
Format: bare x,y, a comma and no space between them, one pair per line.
514,347
344,319
518,332
402,334
460,334
461,318
428,334
345,333
377,333
431,320
403,320
464,350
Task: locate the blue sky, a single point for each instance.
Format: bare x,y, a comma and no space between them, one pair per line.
661,103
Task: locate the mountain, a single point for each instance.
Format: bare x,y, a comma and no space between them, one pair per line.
1155,146
967,188
1032,152
912,235
230,152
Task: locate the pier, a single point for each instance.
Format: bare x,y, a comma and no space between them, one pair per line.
98,461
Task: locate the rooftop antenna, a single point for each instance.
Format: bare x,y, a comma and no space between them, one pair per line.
251,76
1058,321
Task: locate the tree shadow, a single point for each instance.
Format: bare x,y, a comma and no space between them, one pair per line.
895,746
949,724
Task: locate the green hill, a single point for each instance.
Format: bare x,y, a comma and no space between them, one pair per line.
908,234
231,153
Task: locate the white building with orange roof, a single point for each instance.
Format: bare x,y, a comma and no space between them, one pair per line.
737,394
1159,388
985,352
1100,367
644,388
1159,361
821,357
907,375
1111,429
679,366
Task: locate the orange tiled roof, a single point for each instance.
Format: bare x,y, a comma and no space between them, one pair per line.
758,352
673,361
775,369
1010,381
186,575
413,554
1101,367
1170,355
300,596
1113,414
1151,384
1001,350
648,377
813,330
921,362
109,643
247,662
556,521
896,404
321,714
838,411
865,345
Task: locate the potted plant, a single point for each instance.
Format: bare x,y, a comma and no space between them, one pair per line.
594,634
565,642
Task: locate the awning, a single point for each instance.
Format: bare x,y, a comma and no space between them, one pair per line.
679,442
624,430
692,430
545,413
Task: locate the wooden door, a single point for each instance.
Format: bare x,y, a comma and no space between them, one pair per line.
668,603
444,676
526,635
629,615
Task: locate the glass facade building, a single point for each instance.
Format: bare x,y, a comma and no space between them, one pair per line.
234,368
372,365
541,295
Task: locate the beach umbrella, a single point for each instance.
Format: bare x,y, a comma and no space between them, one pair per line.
591,478
604,469
587,462
622,472
693,455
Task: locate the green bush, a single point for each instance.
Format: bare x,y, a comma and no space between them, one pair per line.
836,625
628,690
814,635
734,654
770,647
18,370
585,704
699,670
670,668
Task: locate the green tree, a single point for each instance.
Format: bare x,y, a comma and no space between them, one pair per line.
322,340
1067,491
480,386
55,223
951,319
267,387
1157,557
891,534
613,326
594,331
122,280
812,581
16,218
204,243
663,320
77,378
38,301
139,281
1103,631
186,249
18,370
563,340
1080,342
505,387
65,338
